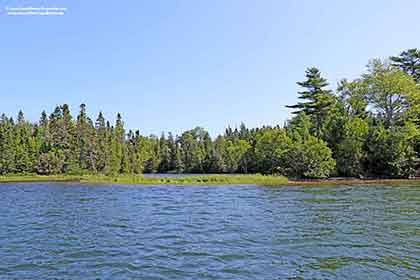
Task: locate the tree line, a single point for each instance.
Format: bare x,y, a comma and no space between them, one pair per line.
366,127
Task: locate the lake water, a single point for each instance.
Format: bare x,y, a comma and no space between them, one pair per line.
73,231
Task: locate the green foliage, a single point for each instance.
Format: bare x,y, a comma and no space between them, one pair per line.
310,158
350,154
269,149
392,93
7,145
196,150
220,151
26,150
300,155
234,153
369,126
390,151
353,97
102,151
50,163
299,127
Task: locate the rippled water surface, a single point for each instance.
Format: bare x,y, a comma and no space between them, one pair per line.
71,231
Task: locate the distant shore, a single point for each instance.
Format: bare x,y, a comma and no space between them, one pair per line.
210,179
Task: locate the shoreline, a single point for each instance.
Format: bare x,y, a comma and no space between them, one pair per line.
199,180
210,179
354,181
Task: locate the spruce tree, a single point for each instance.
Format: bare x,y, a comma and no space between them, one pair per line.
82,138
119,161
24,153
68,140
102,144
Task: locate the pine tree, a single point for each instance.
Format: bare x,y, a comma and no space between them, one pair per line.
409,62
317,101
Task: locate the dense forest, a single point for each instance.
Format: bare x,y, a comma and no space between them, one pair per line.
367,127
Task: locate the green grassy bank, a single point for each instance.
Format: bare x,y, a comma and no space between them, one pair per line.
39,178
213,179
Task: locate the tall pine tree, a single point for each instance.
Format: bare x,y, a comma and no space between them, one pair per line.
317,101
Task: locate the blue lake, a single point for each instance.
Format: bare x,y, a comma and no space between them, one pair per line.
79,231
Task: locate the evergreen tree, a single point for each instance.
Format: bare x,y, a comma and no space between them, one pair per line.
317,101
43,133
102,147
51,162
7,145
86,141
68,141
116,144
25,154
409,62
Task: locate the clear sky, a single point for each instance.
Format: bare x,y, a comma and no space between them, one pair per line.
174,64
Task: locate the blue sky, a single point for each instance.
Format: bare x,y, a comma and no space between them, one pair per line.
174,64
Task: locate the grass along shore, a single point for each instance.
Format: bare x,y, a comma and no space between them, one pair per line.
207,179
211,179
